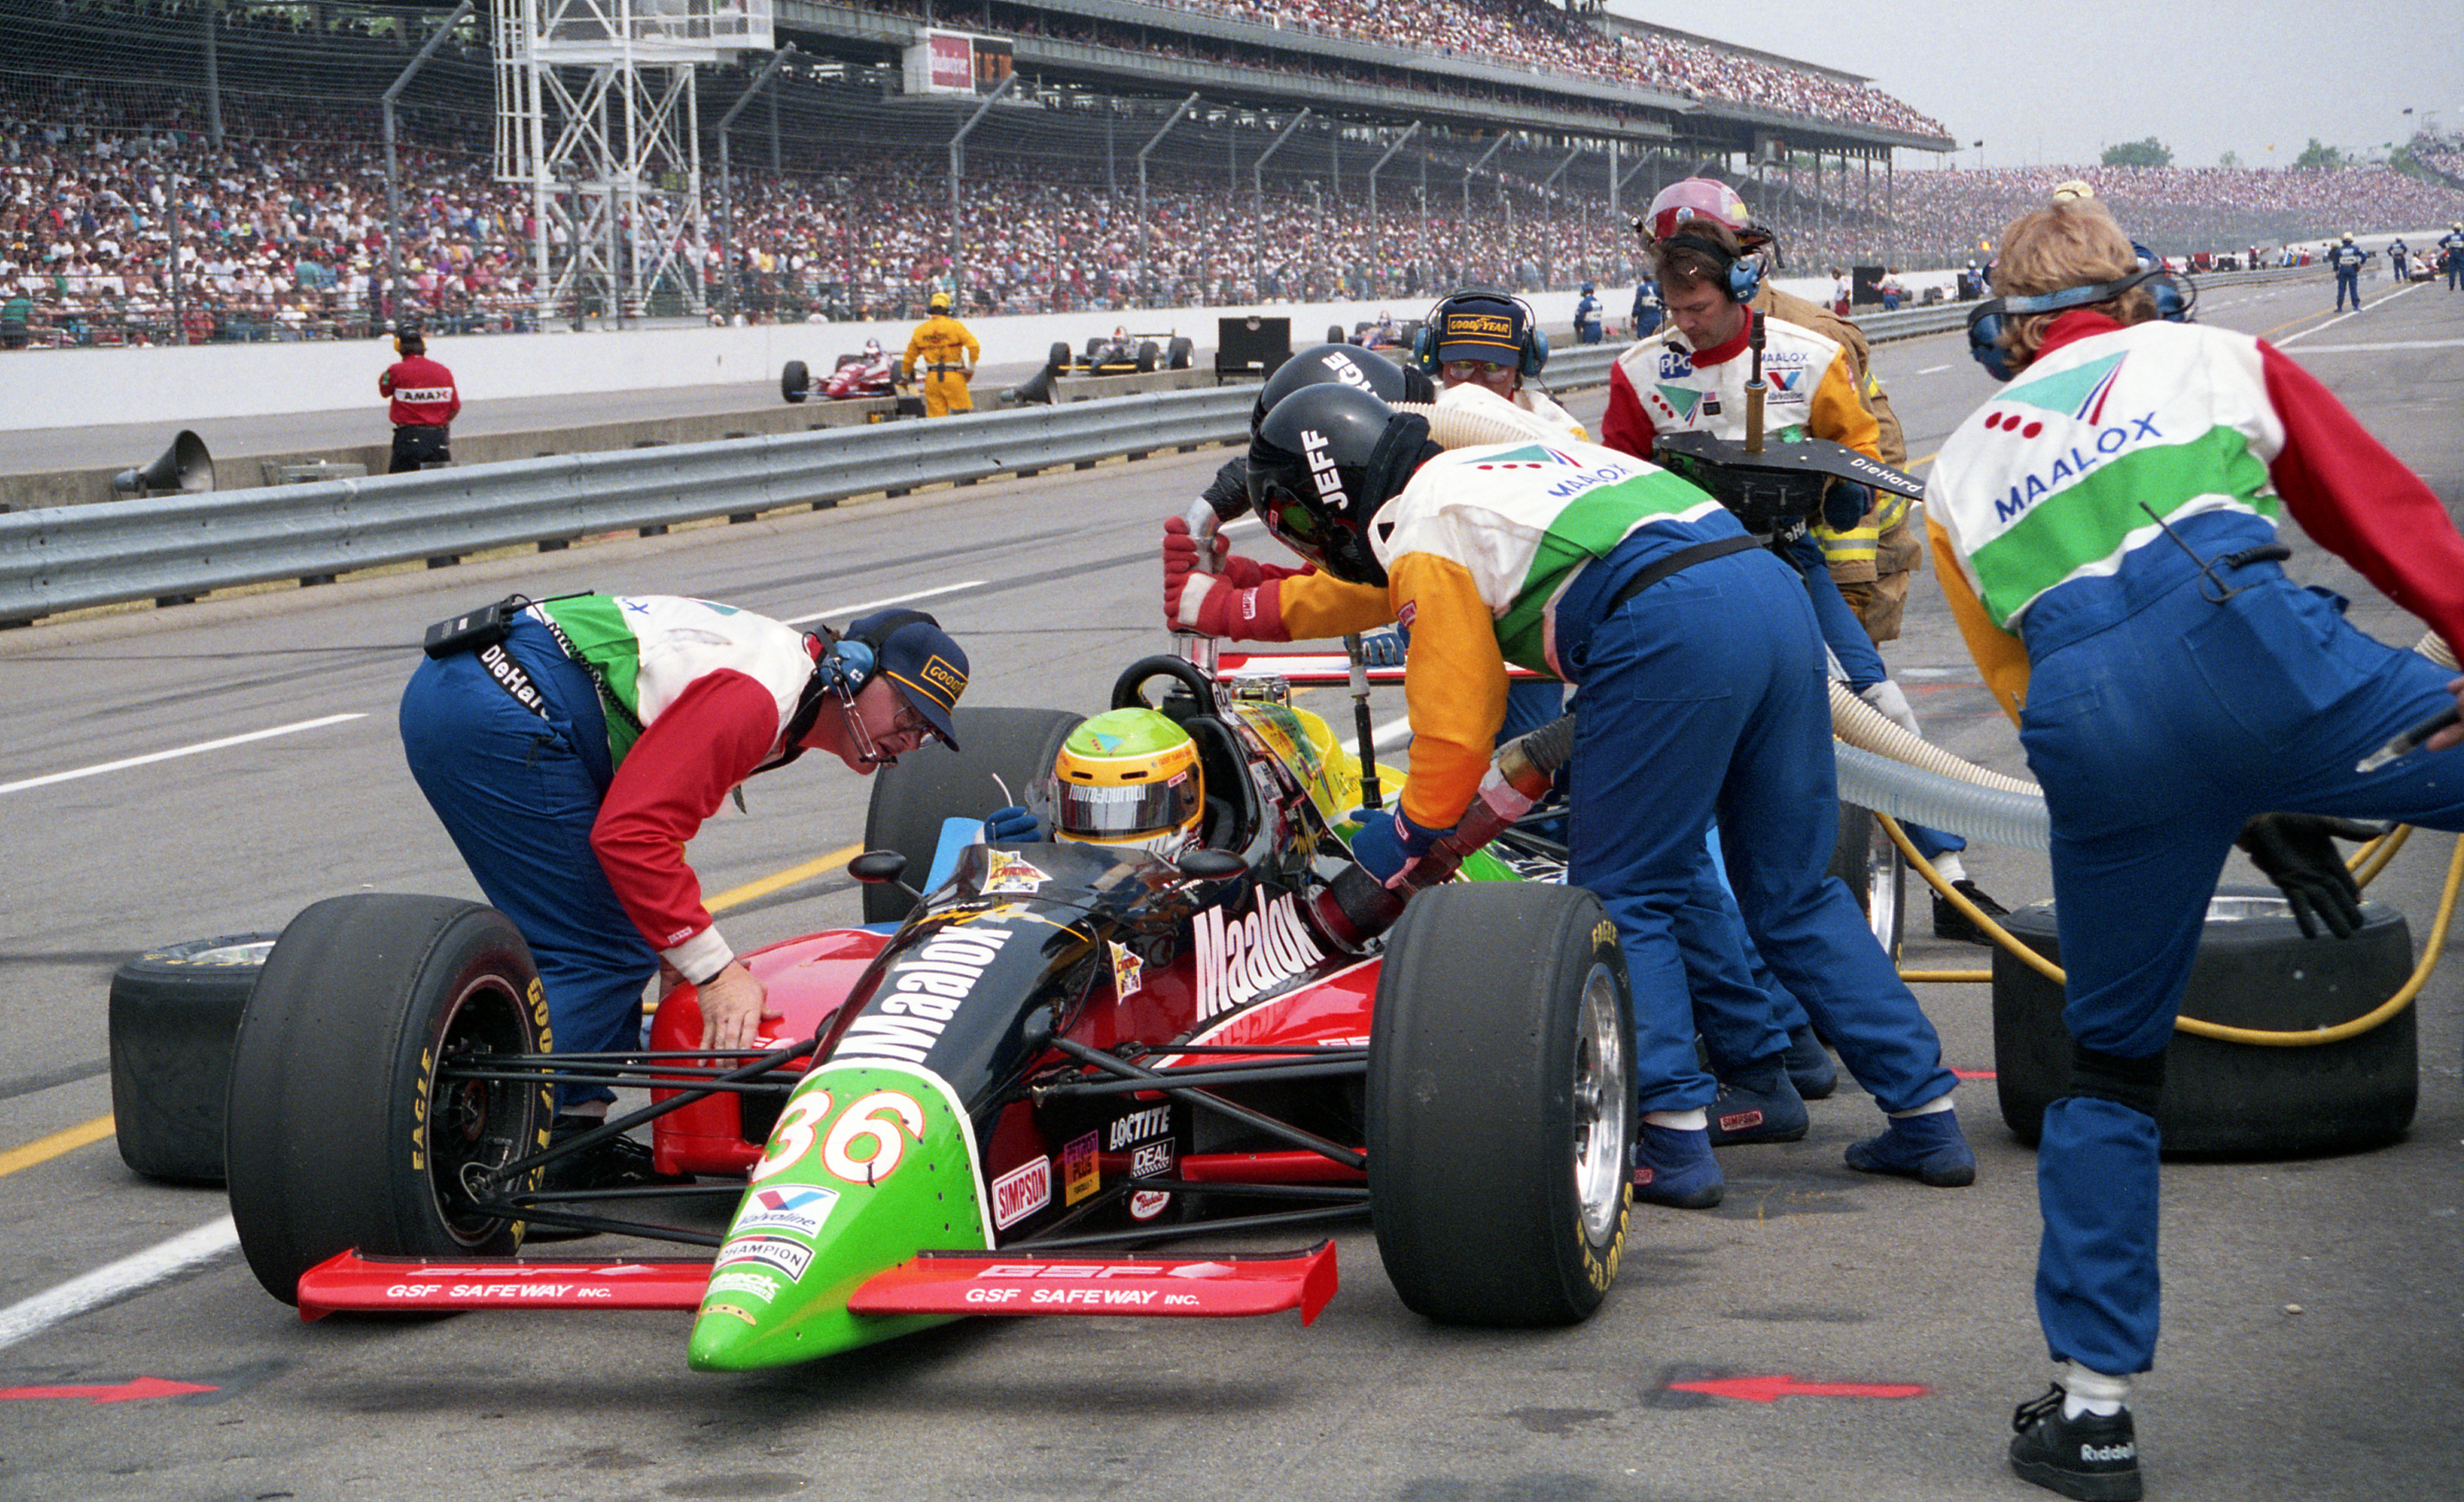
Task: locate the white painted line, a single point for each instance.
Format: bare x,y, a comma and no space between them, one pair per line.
1933,370
2354,312
1392,733
868,605
166,755
32,1317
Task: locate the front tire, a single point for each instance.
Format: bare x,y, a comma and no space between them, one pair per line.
1869,861
910,800
795,381
343,1131
1501,1104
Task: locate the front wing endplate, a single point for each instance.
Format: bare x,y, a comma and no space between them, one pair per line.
1057,1283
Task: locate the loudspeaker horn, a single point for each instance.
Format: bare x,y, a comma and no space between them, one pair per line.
185,466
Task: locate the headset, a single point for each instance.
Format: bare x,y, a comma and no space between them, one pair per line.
2176,296
1745,273
1532,351
842,669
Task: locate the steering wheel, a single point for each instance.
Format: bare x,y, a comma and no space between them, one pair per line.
1127,689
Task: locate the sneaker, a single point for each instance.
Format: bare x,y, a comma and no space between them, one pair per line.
1927,1148
1676,1169
617,1163
1757,1104
1809,1065
1948,923
2094,1457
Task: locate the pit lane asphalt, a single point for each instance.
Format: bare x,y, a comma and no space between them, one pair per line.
2314,1308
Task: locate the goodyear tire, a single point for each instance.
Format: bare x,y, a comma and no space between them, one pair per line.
1179,352
1057,357
1869,861
1334,334
1501,1104
174,1014
2221,1099
795,381
910,800
343,1131
1148,355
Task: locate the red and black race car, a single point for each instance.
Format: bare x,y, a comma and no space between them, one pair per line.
997,1097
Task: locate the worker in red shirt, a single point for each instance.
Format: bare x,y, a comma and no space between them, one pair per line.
424,404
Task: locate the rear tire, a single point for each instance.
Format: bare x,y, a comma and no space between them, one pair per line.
174,1014
910,800
341,1133
1501,1104
1178,353
795,381
1148,355
1334,334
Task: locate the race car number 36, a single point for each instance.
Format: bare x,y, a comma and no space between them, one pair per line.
862,1147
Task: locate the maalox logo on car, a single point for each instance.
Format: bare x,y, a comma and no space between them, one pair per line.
1240,957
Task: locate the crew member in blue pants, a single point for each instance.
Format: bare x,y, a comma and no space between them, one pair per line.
2181,694
2347,259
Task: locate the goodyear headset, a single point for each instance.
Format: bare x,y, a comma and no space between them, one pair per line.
1744,274
1531,350
2176,296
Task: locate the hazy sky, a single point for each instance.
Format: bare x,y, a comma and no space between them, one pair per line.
2058,83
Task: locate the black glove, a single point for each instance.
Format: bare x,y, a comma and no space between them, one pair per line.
1845,504
1229,493
2297,853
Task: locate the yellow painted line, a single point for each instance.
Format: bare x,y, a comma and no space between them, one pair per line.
753,890
42,1150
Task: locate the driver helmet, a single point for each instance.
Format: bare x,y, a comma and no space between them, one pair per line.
1349,365
1128,777
1694,198
873,346
1120,331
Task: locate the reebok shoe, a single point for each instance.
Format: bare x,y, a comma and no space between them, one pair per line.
2094,1457
1927,1148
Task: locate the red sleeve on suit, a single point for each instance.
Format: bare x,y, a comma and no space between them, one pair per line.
2359,501
672,780
1627,427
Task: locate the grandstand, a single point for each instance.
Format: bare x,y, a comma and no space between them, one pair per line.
1203,151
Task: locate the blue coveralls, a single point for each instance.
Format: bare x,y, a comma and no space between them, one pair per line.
2453,248
519,795
1646,309
2158,723
1587,321
2347,261
1705,697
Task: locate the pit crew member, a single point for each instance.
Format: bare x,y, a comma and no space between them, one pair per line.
424,404
2347,259
2172,686
947,353
571,749
1700,696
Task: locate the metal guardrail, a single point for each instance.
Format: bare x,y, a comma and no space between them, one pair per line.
175,547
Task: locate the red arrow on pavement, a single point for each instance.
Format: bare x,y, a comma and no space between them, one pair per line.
118,1392
1774,1386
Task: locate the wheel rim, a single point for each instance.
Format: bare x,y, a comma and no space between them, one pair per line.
1603,1086
475,1126
1883,863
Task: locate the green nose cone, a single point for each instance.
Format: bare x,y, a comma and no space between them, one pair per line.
870,1164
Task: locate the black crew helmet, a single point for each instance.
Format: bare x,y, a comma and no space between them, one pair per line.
1323,463
1346,365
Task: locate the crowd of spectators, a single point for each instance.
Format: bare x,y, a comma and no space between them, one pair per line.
1942,217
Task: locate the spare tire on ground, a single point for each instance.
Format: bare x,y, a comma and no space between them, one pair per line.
174,1014
2254,969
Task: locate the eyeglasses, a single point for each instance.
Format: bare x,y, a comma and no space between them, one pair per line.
1472,369
915,726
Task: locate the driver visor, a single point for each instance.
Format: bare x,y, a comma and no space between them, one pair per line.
1111,812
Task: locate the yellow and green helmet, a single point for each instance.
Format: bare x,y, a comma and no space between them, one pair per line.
1128,777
